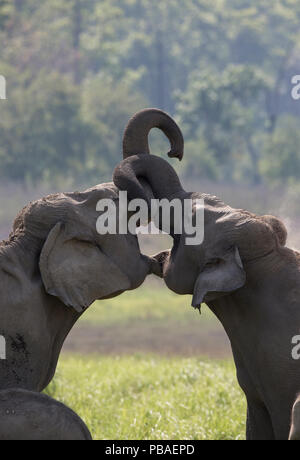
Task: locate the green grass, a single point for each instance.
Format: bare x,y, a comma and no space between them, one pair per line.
149,302
149,397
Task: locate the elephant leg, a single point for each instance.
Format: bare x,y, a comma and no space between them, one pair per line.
282,418
25,415
259,424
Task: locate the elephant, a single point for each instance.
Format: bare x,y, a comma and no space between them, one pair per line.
295,425
31,416
55,265
250,280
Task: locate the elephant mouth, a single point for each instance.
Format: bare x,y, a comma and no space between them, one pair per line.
155,266
158,263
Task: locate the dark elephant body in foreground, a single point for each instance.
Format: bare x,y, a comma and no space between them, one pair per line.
248,278
30,416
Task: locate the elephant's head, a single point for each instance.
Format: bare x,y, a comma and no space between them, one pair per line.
233,238
77,264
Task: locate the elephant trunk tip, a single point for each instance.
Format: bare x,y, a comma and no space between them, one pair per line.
175,153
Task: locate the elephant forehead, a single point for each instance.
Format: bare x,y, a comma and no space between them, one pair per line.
240,221
253,236
106,190
39,216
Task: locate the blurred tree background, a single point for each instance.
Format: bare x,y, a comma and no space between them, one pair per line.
78,69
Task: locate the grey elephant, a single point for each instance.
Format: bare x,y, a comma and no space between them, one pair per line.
248,278
30,416
55,265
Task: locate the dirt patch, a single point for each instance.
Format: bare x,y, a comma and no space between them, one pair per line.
187,340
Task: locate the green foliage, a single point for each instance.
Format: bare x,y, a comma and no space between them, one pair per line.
228,105
222,68
281,161
106,107
41,130
5,11
145,397
202,160
50,128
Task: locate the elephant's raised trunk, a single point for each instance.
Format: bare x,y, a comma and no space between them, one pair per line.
158,173
135,140
139,170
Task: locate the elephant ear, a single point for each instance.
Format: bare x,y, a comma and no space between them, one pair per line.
77,271
227,275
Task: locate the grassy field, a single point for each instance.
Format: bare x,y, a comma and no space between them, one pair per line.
150,319
145,365
151,302
150,397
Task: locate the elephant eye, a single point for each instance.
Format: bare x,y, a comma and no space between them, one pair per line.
230,248
213,262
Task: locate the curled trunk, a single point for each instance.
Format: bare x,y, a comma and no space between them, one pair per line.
158,173
135,140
